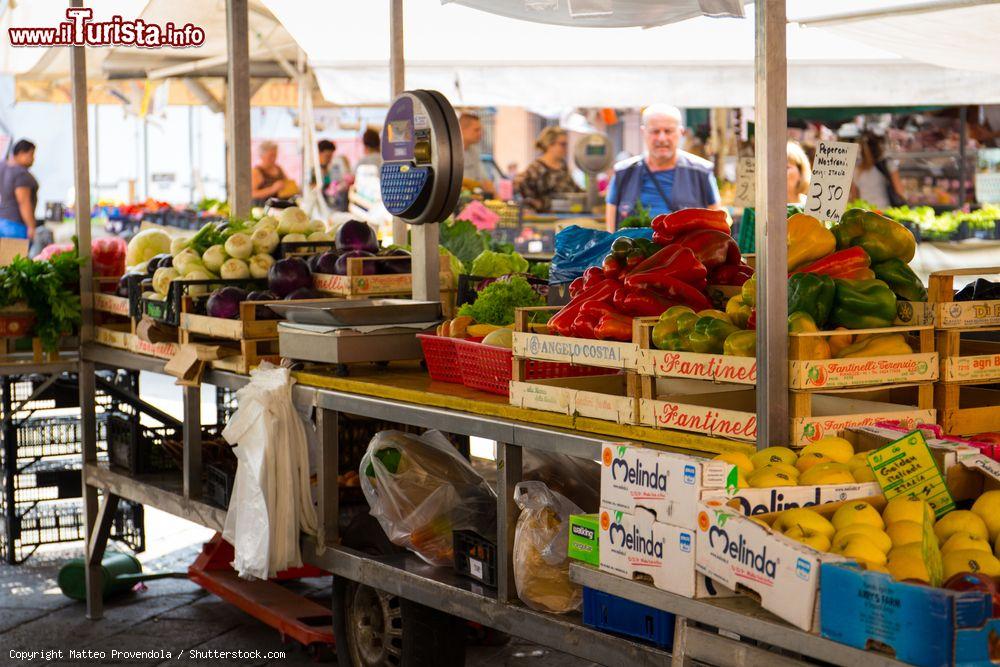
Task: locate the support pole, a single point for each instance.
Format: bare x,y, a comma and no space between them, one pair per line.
397,84
963,171
238,107
93,546
772,251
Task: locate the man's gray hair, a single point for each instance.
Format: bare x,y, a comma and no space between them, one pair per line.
266,146
667,110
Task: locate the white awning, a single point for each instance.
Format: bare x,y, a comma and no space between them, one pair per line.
480,59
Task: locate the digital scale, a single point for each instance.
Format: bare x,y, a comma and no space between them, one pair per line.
422,158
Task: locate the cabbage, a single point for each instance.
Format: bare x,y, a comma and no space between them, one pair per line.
239,246
199,273
162,279
214,258
491,264
235,269
293,220
259,265
267,222
293,238
145,245
264,240
320,236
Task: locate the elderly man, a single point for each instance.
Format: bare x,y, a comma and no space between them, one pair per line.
664,178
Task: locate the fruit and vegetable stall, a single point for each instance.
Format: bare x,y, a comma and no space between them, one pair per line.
637,511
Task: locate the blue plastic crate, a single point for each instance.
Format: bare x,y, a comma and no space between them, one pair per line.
609,612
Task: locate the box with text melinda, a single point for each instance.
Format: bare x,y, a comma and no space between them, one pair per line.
636,546
667,484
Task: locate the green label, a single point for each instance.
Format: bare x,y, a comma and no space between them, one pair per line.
906,468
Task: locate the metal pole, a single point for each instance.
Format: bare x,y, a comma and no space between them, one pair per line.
397,84
238,106
88,408
772,252
963,129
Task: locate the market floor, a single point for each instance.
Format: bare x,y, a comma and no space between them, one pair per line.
172,615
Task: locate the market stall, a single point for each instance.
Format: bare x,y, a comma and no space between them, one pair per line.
674,376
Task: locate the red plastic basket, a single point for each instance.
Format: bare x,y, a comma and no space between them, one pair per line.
490,368
441,357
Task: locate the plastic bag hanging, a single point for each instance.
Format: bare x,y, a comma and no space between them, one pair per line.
271,501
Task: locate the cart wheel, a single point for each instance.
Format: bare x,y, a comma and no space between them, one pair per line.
376,629
342,371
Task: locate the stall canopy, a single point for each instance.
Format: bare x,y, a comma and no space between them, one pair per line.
948,33
479,59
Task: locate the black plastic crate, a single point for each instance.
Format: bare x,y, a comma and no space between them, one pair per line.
168,311
47,479
218,484
137,447
63,521
45,436
475,556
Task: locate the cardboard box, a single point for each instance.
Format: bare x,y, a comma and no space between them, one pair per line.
584,542
919,625
596,397
744,555
636,546
664,483
585,352
752,502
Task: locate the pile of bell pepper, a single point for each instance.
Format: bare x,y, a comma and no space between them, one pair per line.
691,249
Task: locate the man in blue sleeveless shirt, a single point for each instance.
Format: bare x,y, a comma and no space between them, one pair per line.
664,178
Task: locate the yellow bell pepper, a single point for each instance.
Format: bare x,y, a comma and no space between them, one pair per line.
838,343
813,347
738,312
808,240
717,314
881,345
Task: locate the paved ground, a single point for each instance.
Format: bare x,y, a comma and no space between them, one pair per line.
172,615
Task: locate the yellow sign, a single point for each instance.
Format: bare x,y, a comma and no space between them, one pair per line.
906,468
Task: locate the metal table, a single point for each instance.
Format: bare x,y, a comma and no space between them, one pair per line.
699,622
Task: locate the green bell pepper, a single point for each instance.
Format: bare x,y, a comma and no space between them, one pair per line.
709,335
675,321
811,293
741,344
880,237
901,279
863,304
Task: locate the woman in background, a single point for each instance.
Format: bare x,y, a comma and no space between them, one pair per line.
267,178
799,173
876,180
548,175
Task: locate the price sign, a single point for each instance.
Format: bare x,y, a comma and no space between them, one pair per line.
906,468
745,181
830,185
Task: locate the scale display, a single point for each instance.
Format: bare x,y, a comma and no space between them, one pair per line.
422,152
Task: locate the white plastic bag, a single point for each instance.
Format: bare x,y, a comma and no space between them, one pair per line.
271,501
421,489
541,566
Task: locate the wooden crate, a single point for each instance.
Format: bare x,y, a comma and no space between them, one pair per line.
892,370
357,285
967,409
110,307
950,314
717,368
251,353
158,350
730,410
114,334
248,326
607,397
531,342
968,361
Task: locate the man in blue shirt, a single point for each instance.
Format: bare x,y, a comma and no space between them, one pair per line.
664,178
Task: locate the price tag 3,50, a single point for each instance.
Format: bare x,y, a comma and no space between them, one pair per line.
830,185
745,181
906,468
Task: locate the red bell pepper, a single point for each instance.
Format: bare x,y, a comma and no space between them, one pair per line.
614,327
575,287
678,223
612,267
562,321
849,264
711,247
599,308
592,275
676,261
680,293
584,324
731,274
752,321
641,302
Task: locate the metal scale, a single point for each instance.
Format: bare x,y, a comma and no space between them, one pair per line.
421,178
